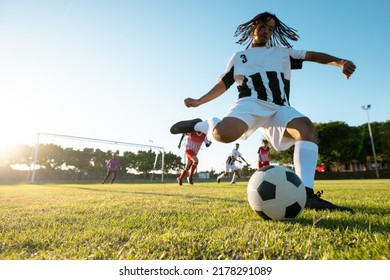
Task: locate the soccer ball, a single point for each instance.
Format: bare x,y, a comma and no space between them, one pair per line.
276,193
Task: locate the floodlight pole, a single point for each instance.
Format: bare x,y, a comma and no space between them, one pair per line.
366,108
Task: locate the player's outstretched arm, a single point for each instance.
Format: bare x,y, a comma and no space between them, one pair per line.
207,142
347,66
181,139
215,92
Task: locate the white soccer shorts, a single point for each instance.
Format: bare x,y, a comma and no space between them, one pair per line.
270,118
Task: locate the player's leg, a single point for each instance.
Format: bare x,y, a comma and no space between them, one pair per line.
106,177
113,176
303,131
235,171
226,130
229,130
184,172
244,116
226,173
238,173
185,126
194,165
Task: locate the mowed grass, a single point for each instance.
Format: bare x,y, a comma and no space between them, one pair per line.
206,221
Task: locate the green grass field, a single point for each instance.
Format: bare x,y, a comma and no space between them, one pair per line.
206,221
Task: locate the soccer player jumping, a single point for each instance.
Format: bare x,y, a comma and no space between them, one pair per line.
262,72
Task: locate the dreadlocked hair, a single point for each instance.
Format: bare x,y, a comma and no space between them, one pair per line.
280,37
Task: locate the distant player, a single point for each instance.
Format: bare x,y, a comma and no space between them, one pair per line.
263,153
262,73
231,166
193,144
112,166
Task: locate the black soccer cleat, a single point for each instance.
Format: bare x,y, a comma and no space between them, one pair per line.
184,126
314,201
190,180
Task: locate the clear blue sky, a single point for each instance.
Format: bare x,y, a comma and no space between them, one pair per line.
120,70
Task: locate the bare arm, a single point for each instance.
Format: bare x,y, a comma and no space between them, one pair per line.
181,139
244,160
207,142
346,65
215,92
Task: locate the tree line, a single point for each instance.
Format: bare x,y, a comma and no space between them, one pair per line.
52,157
340,147
343,147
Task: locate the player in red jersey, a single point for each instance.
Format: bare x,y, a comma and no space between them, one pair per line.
194,142
263,152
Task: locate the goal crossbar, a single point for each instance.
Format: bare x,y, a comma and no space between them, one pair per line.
112,142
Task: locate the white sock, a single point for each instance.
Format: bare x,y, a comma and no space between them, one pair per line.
234,177
305,161
207,126
221,176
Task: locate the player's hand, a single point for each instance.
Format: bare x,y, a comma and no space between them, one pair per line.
348,68
190,102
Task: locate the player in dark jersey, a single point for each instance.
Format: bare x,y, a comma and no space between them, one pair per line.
112,166
262,72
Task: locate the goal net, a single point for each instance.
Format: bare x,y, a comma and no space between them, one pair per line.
59,157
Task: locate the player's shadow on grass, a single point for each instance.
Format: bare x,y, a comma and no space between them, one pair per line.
101,190
358,221
320,219
185,196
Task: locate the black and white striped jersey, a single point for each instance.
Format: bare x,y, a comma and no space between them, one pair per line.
230,160
263,72
233,157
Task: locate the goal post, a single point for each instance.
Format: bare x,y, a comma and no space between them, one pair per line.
87,152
